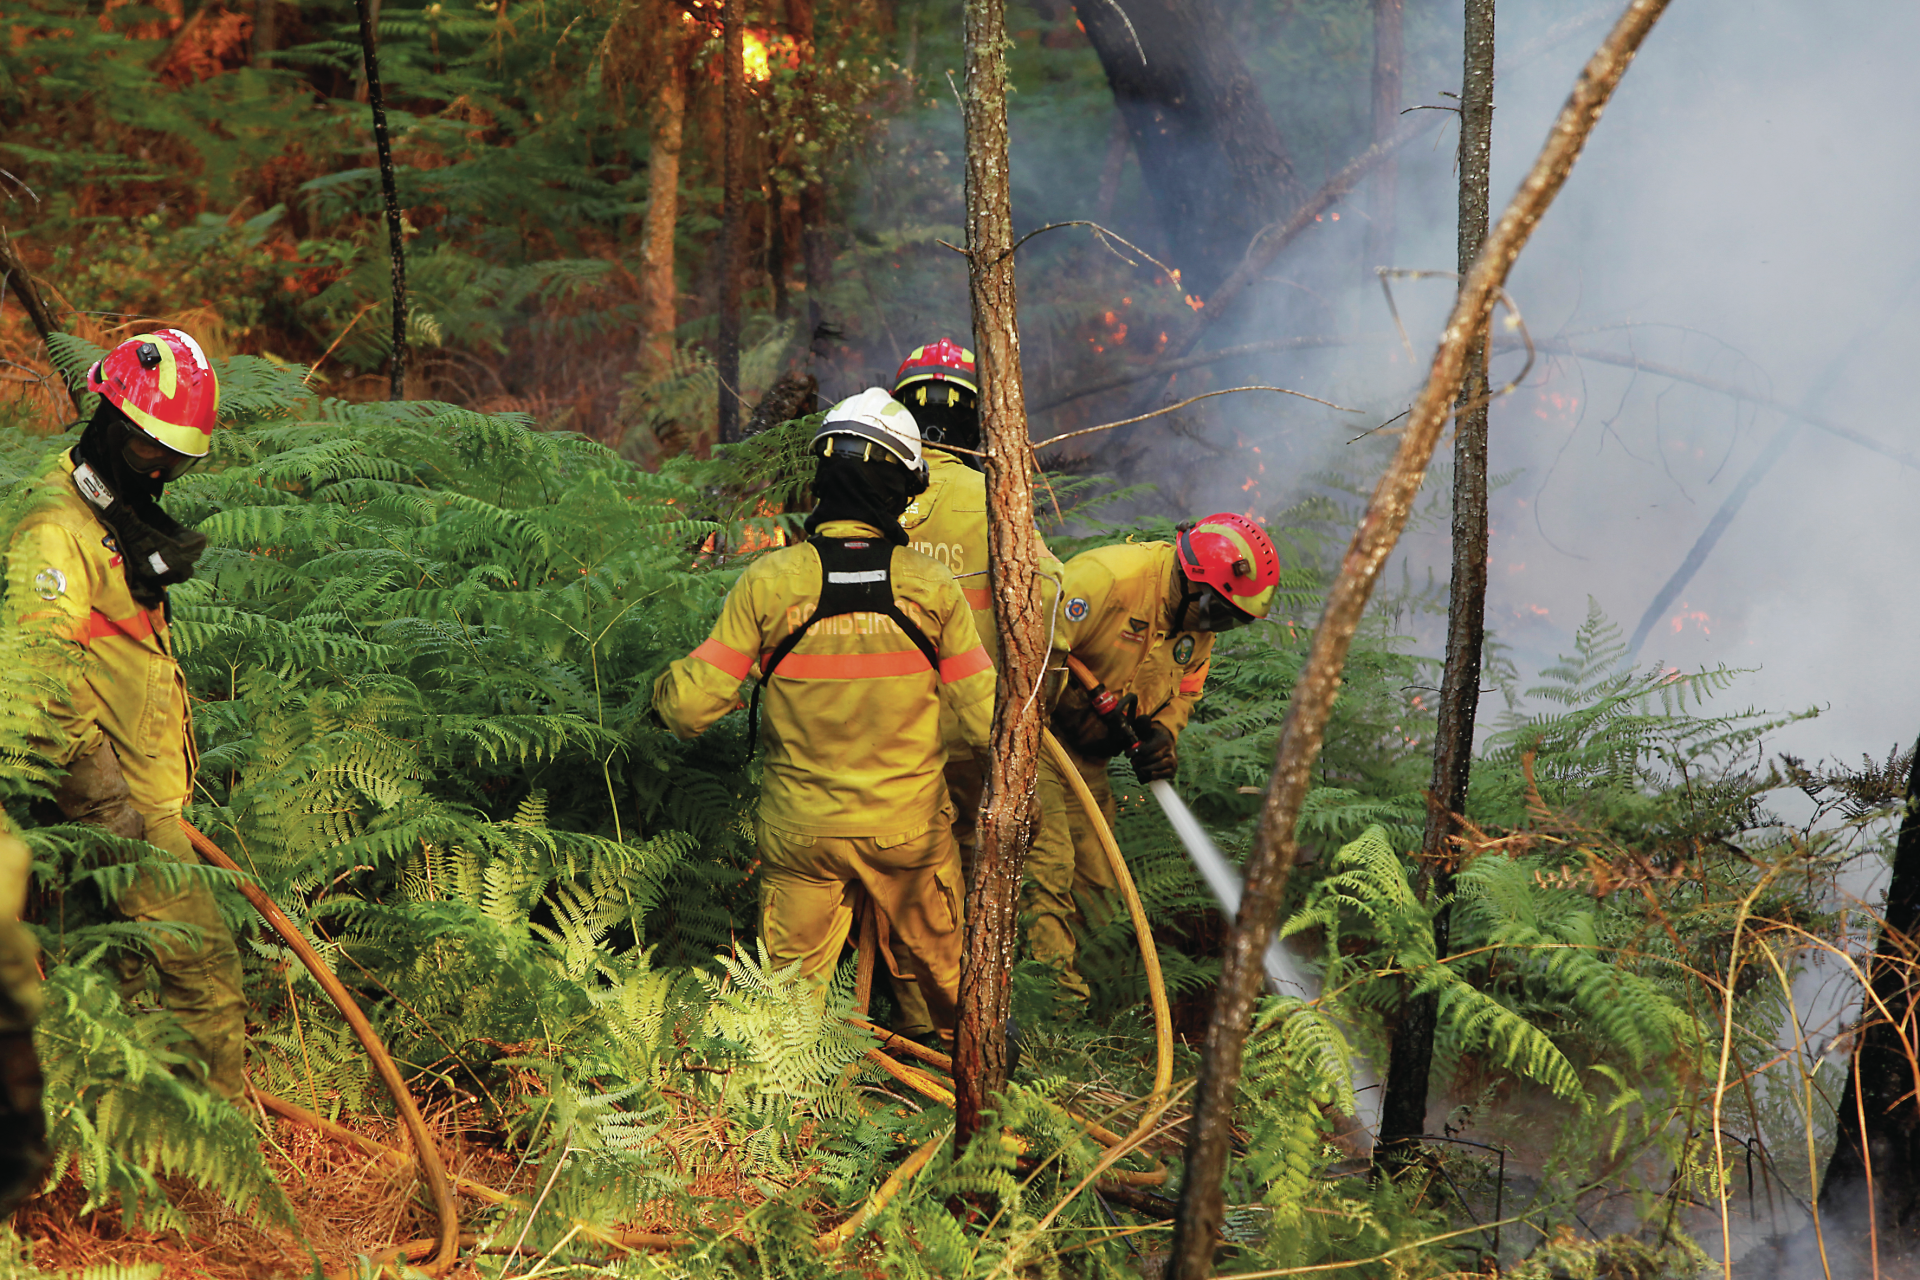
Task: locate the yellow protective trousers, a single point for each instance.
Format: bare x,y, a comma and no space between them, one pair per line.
810,892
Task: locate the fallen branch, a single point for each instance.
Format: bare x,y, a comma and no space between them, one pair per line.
21,281
1166,367
1202,1208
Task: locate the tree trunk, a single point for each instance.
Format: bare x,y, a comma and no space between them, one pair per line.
1208,149
369,11
1270,863
1403,1113
266,31
1389,51
659,290
1878,1143
1007,813
733,220
816,251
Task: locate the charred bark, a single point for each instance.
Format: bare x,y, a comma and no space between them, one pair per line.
1270,863
1007,812
1389,52
733,215
1403,1112
1872,1186
1208,149
369,12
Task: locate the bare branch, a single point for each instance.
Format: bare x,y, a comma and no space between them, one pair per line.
1207,395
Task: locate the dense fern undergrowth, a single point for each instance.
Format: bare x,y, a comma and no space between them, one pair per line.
421,649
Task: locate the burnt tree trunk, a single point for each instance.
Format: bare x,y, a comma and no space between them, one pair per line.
1403,1113
1008,817
733,219
369,11
1389,52
1878,1143
1208,149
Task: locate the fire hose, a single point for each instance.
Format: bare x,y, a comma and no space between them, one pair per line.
446,1246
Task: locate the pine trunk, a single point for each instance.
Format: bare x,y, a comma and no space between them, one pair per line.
369,11
733,219
1403,1113
1007,813
659,289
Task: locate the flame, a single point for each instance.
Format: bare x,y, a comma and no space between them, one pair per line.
1696,616
1194,302
754,53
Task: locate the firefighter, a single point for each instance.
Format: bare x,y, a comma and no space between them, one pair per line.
1138,620
97,558
859,640
937,383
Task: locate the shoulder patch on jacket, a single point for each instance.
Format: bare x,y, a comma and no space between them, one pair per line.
50,584
1077,609
1182,650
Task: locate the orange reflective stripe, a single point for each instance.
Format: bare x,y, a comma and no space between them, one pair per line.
1195,682
725,657
967,664
977,597
135,626
852,666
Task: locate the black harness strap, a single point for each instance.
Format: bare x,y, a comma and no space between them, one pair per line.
855,577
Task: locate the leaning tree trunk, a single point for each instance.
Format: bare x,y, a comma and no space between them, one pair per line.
369,11
1871,1191
1209,152
658,288
1007,813
1403,1113
1389,51
733,219
1210,1133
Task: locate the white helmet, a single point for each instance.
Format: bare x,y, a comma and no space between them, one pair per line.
877,418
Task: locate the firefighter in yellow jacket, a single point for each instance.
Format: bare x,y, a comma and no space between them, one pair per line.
859,641
938,384
1137,622
97,558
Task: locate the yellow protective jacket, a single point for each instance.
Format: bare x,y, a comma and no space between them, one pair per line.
1116,606
949,523
850,722
121,678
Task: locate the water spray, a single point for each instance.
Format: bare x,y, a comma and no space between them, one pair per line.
1284,975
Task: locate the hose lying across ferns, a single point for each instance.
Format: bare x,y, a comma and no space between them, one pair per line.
433,1170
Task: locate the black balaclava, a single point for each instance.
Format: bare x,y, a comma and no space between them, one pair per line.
156,550
868,490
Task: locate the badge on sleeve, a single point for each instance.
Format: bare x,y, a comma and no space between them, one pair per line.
50,583
1182,650
1076,609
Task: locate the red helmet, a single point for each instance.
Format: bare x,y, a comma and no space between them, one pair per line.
1235,557
164,384
942,361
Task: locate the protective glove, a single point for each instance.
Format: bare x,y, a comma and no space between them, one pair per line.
1154,760
1079,726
